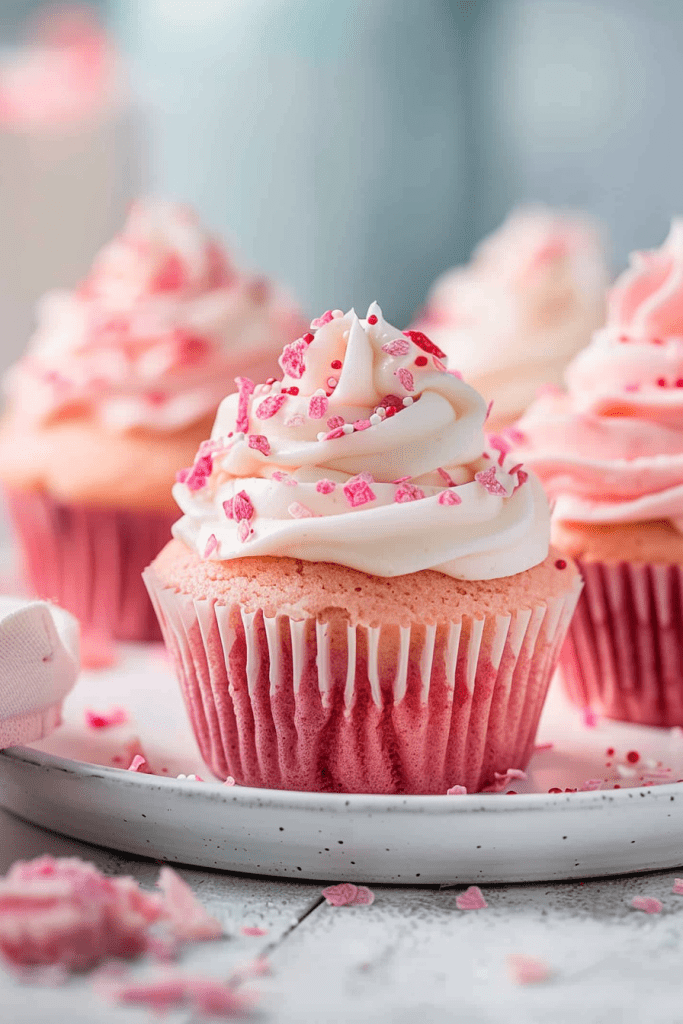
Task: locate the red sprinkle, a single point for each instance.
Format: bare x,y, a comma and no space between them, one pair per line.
661,382
679,382
421,361
260,443
423,342
308,338
560,564
610,751
336,364
269,406
115,716
633,757
555,790
372,319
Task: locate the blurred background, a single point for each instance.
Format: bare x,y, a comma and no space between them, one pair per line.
350,148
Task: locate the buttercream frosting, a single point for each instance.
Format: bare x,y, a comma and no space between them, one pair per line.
153,336
611,449
530,299
369,454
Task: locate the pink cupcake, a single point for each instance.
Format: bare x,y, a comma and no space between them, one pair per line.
119,385
610,453
530,299
360,595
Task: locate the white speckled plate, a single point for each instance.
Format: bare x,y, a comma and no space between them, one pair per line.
69,783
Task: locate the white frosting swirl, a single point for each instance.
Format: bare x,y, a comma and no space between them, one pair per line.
369,454
154,336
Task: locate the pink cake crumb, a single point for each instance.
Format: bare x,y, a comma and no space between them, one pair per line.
105,719
186,917
65,912
527,970
648,904
471,899
503,779
253,930
139,764
346,894
209,997
589,718
457,791
678,886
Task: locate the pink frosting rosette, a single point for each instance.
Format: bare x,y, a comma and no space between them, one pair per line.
611,449
152,337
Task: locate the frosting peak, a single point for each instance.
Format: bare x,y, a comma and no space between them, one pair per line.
153,335
611,450
368,453
528,301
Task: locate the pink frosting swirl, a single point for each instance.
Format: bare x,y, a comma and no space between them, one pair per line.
153,336
611,450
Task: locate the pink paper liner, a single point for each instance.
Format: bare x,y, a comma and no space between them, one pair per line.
308,705
89,560
31,727
624,651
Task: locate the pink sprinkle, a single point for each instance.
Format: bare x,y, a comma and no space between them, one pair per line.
543,746
253,930
358,491
408,492
425,343
591,785
589,718
346,894
317,407
527,970
243,530
284,478
333,434
332,383
211,546
325,486
488,480
228,509
488,410
295,421
631,387
471,899
439,365
229,781
137,763
203,996
104,720
450,482
678,886
502,780
362,425
299,511
516,436
245,388
196,477
498,442
259,442
269,406
401,479
334,422
242,507
455,373
449,498
322,320
406,378
398,347
457,791
391,401
522,477
292,359
648,904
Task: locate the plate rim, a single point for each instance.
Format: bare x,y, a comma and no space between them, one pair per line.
347,802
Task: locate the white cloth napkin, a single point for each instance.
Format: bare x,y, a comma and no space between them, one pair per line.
39,663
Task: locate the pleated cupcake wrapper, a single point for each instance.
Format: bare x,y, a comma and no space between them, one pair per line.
623,657
89,560
306,705
31,727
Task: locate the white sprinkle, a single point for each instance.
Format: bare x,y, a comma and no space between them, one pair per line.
277,386
320,392
625,772
336,313
407,400
381,411
239,436
264,389
321,435
190,778
375,419
348,428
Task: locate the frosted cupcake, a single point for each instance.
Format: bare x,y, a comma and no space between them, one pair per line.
360,595
610,454
530,299
119,385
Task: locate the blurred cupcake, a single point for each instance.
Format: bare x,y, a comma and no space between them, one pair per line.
119,385
360,596
512,319
610,454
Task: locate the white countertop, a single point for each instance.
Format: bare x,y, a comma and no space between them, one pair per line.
410,957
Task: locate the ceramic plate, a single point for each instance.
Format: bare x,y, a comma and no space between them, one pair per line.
75,783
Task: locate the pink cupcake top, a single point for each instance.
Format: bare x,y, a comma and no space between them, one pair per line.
530,299
152,338
368,453
611,450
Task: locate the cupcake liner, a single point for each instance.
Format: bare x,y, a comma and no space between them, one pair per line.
622,656
89,560
326,706
31,727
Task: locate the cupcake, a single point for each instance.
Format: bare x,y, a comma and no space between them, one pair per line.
359,596
610,453
119,385
530,299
